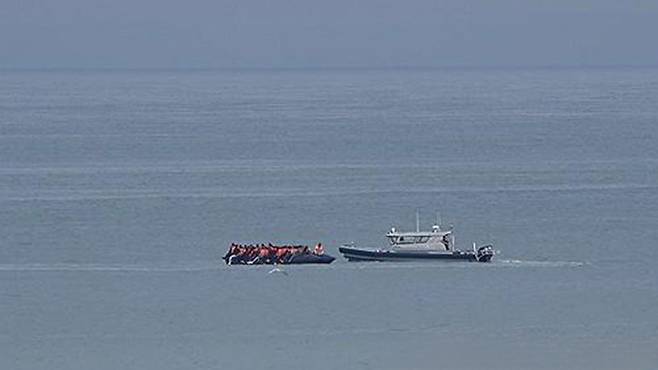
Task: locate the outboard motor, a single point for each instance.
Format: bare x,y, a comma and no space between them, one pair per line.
485,253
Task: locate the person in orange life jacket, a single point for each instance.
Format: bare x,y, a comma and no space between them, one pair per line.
280,253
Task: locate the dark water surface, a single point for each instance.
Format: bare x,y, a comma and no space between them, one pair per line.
119,190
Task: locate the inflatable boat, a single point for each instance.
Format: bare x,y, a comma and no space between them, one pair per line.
261,254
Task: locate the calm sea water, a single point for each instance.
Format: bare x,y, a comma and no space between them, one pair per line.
119,190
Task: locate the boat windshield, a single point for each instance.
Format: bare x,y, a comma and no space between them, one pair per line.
408,239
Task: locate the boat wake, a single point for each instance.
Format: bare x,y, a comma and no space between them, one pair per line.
200,267
499,263
277,270
530,263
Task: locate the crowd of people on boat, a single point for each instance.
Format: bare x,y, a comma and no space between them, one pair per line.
254,254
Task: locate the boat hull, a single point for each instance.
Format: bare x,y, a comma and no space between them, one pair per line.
294,260
358,254
310,258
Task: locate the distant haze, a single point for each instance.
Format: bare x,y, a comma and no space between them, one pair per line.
329,33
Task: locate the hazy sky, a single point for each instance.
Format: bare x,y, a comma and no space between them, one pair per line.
328,33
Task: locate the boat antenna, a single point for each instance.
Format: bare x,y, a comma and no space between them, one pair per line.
417,221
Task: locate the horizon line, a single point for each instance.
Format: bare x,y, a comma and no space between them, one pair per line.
325,68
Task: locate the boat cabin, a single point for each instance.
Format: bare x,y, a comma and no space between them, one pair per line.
436,240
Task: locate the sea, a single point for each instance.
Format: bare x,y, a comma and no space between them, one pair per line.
121,189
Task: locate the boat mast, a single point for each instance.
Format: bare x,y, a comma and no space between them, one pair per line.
417,221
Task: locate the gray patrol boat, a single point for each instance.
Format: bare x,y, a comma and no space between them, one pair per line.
437,244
